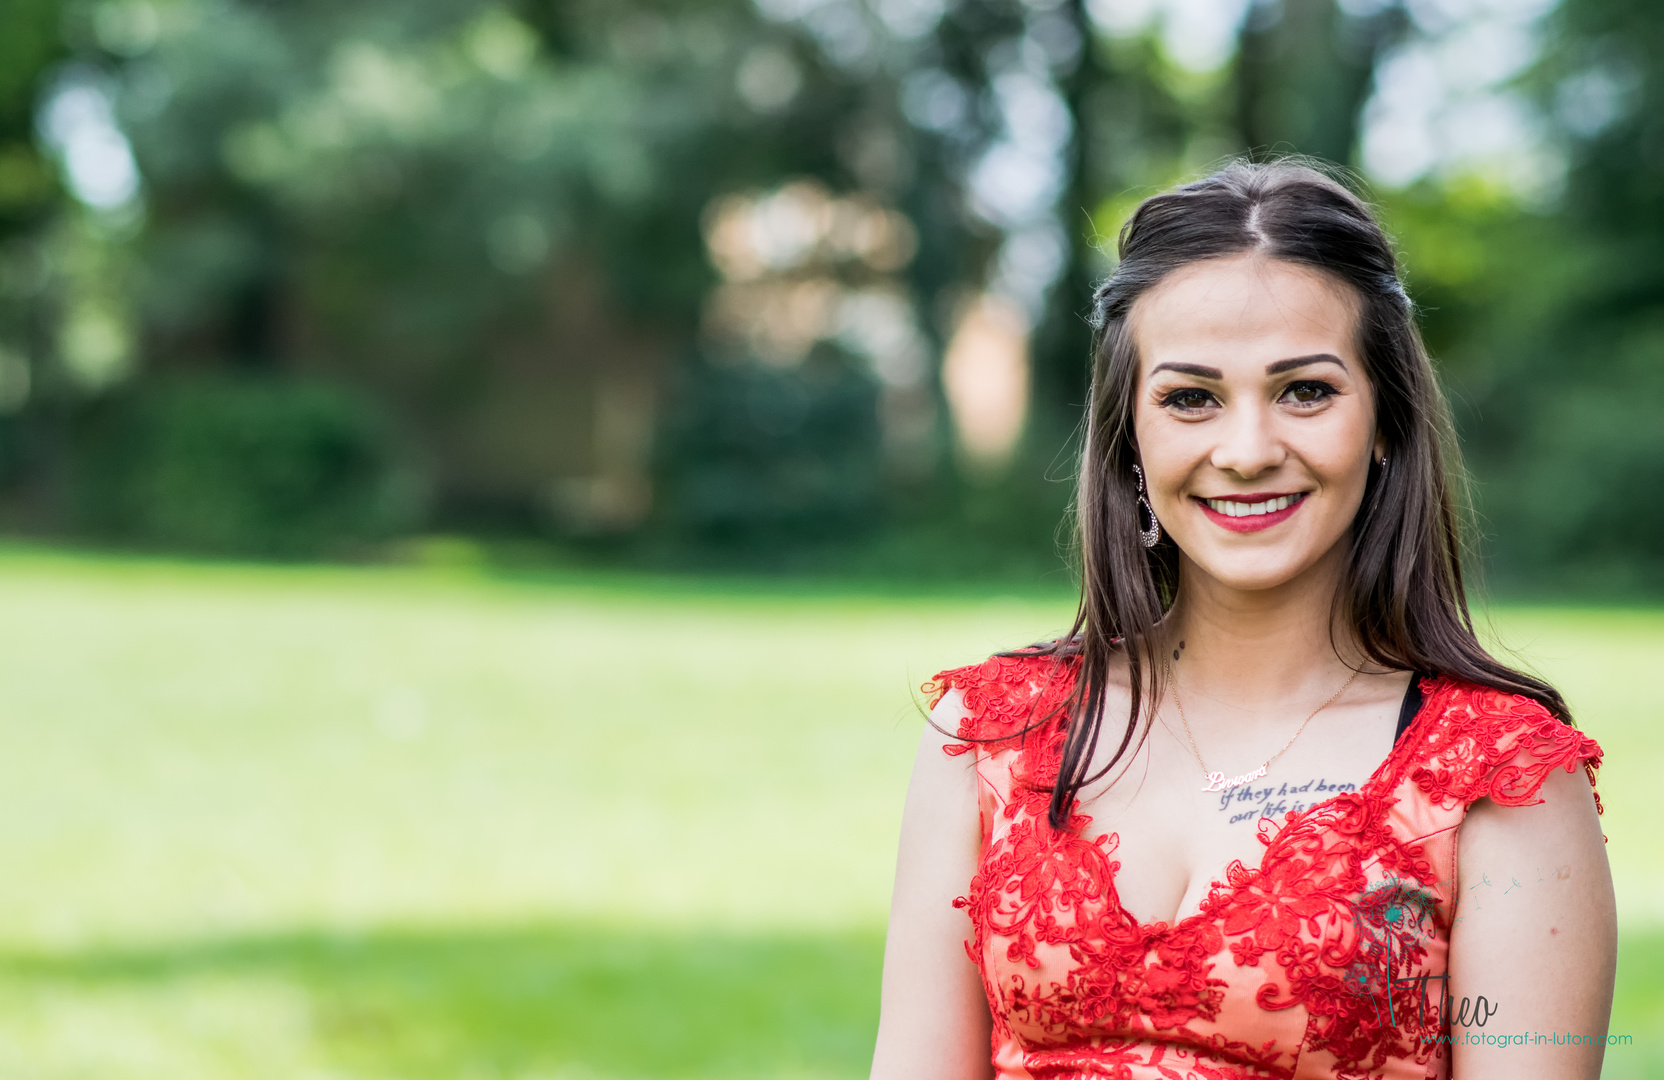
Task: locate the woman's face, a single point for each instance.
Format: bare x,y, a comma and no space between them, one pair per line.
1254,418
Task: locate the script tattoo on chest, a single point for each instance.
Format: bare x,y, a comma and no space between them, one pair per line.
1251,803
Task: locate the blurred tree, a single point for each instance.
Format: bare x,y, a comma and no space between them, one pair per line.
1133,130
1550,316
30,44
1304,70
1599,372
497,219
31,198
492,218
248,466
541,235
761,462
487,218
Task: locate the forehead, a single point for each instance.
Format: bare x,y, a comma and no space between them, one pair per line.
1244,312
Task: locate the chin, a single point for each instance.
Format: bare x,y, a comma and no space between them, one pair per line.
1256,574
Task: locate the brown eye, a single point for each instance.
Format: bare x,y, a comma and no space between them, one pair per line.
1188,398
1307,393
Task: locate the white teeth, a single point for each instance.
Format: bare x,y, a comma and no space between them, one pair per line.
1231,508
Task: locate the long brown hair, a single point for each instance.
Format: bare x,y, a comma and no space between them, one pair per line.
1402,590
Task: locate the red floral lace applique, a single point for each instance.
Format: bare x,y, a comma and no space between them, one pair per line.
1340,913
1307,906
1004,697
1500,746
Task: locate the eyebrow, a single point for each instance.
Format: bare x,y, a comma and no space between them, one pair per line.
1203,372
1191,369
1301,361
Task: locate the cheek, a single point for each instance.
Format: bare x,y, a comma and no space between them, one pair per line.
1341,450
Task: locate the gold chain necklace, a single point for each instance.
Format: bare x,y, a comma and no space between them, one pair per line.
1217,780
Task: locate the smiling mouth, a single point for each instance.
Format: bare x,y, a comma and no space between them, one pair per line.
1235,508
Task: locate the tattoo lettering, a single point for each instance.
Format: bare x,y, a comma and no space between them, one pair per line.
1273,800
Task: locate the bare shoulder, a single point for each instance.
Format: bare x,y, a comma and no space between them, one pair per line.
934,1020
1535,930
1564,821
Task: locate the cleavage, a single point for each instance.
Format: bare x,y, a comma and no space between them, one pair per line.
1174,841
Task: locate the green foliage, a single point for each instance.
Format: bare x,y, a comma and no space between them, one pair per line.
1588,392
1303,71
28,44
1549,320
400,196
754,457
422,161
249,466
411,189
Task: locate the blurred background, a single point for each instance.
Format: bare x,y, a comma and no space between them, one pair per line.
482,482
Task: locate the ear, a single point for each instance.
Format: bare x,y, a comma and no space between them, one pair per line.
1379,450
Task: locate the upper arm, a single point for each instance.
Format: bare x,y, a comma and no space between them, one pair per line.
934,1019
1535,934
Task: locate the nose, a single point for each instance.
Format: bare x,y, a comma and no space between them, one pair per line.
1248,444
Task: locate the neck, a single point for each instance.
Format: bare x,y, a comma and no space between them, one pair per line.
1258,647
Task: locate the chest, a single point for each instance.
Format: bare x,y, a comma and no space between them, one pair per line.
1174,838
1321,927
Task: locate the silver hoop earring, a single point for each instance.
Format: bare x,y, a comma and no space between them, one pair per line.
1150,536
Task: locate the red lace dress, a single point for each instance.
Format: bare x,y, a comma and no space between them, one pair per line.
1310,964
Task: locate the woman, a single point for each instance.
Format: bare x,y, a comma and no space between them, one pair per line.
1270,809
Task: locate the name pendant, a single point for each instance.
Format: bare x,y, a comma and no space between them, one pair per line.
1218,782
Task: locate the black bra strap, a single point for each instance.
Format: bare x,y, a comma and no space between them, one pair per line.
1412,705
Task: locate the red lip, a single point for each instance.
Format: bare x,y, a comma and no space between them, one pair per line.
1258,522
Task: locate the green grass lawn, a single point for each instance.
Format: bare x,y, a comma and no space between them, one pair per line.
406,823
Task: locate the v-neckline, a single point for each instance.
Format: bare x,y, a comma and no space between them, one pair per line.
1217,887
